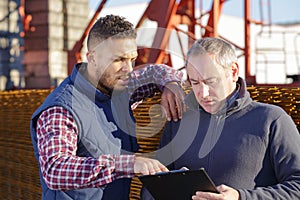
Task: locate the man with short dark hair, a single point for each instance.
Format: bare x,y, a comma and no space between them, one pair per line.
84,132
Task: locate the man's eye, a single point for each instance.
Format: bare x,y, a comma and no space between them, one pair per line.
211,82
194,83
119,60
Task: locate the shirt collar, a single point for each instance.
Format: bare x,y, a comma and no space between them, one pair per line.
233,97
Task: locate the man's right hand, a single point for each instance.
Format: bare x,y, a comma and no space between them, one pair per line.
146,166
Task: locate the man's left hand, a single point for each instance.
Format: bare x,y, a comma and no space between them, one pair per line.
226,193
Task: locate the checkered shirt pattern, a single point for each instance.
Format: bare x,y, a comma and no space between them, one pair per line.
57,140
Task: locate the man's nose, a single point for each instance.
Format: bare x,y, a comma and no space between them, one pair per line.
204,90
127,66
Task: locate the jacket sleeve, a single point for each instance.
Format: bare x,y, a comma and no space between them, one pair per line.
284,150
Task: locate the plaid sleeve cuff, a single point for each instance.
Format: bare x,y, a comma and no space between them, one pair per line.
124,165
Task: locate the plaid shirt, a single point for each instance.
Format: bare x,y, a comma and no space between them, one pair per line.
57,140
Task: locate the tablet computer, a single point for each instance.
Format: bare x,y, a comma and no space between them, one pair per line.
178,184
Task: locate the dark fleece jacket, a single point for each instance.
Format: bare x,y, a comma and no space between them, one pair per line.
250,146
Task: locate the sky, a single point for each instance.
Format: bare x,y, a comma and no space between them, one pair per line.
281,11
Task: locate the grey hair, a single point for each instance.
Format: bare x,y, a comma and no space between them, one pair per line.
224,52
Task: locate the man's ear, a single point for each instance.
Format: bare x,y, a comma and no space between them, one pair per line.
235,71
90,57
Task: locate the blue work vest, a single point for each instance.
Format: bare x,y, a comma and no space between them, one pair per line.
105,126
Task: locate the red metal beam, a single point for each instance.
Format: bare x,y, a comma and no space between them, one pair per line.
161,12
247,49
213,20
167,14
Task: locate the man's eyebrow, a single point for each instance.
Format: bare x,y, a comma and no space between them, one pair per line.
123,56
191,79
118,56
207,79
210,78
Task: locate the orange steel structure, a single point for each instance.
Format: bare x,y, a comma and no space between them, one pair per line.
168,15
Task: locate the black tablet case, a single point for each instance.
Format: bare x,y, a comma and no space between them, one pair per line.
178,184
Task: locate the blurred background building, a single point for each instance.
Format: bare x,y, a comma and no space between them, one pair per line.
40,40
11,44
34,38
